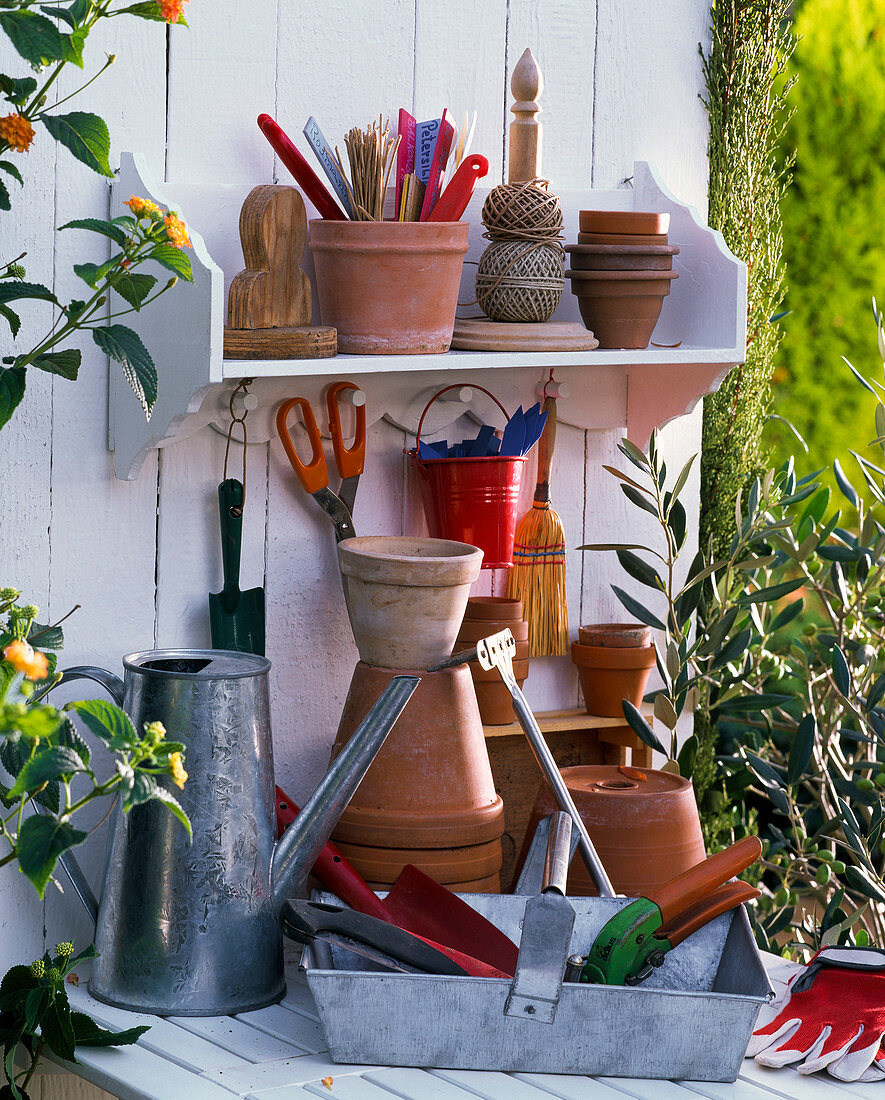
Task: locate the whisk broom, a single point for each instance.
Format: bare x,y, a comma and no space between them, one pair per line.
538,574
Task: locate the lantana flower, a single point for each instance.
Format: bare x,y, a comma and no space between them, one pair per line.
140,207
176,231
176,770
172,10
24,658
17,132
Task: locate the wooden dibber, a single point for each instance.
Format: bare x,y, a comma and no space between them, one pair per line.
269,303
526,83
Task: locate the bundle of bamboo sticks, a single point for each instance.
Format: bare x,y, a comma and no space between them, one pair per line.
372,154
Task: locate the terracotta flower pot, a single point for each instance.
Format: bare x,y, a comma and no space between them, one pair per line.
613,257
472,631
493,607
406,596
446,865
623,238
431,785
623,221
618,635
493,676
495,701
389,288
609,675
621,308
645,831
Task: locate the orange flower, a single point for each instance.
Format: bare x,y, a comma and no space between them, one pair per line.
176,231
24,658
141,207
172,10
17,132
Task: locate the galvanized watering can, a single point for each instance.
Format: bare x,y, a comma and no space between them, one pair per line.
191,929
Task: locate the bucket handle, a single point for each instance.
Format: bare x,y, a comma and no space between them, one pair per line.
454,386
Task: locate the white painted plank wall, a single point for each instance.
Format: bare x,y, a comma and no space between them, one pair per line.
621,83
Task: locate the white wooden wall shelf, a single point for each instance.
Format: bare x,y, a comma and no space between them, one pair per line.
705,315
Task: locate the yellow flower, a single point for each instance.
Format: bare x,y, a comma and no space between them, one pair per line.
141,207
172,10
17,132
38,968
176,770
64,949
24,658
155,731
176,231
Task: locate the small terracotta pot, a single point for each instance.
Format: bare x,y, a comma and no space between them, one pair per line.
613,257
489,885
617,635
431,785
645,831
495,701
623,238
623,221
473,631
406,596
493,676
493,607
621,308
609,675
443,864
389,288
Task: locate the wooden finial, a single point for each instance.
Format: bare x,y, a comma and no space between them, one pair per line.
526,83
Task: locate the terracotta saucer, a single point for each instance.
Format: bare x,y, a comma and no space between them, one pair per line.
622,238
623,221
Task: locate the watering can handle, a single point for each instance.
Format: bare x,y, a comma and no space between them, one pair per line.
114,687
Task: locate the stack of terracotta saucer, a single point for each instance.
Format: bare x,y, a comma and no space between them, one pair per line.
621,272
486,615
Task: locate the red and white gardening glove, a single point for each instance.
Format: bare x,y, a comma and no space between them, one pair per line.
828,1015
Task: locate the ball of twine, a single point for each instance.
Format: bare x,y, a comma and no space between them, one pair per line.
520,280
522,211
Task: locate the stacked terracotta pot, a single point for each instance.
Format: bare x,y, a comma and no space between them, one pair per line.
428,798
487,615
621,271
614,661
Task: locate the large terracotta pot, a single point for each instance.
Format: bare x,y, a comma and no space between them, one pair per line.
431,785
406,596
609,675
646,831
389,288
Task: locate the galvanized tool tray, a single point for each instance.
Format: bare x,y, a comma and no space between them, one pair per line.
691,1019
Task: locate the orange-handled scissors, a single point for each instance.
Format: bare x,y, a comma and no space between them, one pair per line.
314,474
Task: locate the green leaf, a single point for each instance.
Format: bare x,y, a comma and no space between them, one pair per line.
13,318
47,764
134,287
641,728
125,346
774,592
734,648
743,704
639,499
9,167
14,288
845,486
57,1031
35,38
143,789
88,272
860,881
150,9
73,44
633,453
46,637
17,982
841,675
839,553
98,225
36,1003
60,13
637,610
67,735
876,692
17,91
65,363
41,840
86,135
87,1033
108,722
683,477
174,259
677,521
5,203
12,390
801,749
174,806
640,570
796,607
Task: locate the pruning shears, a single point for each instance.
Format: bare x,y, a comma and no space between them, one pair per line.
636,939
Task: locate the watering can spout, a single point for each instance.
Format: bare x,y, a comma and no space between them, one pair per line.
301,844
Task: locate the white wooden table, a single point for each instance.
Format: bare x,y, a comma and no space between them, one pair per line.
279,1053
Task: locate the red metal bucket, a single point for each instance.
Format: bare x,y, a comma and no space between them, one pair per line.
473,500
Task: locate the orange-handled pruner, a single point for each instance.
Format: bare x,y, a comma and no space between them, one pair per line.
314,474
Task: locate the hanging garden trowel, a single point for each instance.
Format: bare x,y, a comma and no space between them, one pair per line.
236,618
